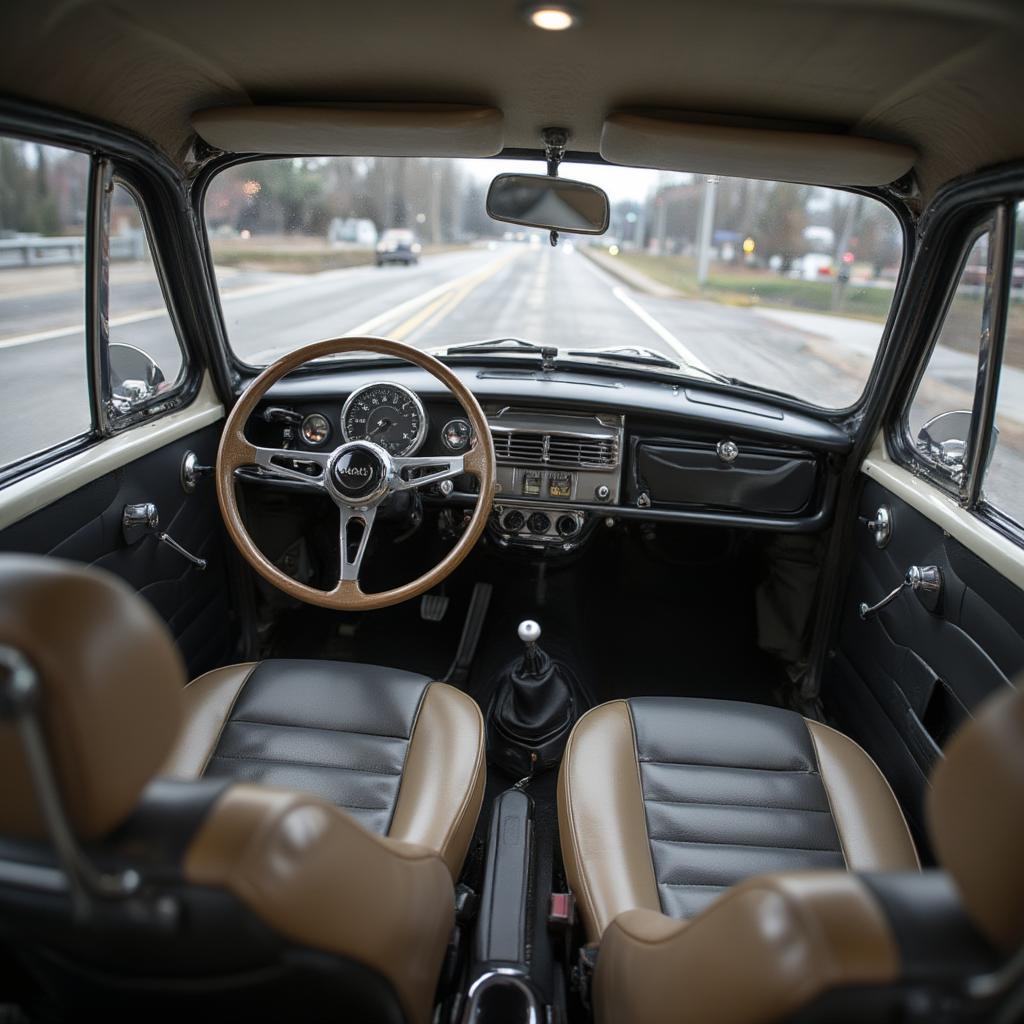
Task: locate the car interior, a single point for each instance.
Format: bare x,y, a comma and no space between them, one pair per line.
512,513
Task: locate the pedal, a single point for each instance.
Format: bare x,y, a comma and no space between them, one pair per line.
433,607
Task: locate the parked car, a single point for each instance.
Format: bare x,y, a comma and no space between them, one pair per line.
398,245
558,633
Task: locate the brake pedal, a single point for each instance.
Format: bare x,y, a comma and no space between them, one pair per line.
433,607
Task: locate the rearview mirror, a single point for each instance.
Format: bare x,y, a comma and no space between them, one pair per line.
540,201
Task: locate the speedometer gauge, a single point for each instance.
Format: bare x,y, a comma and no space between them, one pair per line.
387,414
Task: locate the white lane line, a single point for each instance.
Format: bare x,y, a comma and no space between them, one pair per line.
134,318
661,331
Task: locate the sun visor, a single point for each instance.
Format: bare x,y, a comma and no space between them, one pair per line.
376,129
817,158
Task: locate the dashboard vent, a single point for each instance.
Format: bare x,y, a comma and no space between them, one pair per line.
571,451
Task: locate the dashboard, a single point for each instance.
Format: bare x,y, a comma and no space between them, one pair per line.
573,452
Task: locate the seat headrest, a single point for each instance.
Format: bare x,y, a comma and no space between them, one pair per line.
976,817
111,692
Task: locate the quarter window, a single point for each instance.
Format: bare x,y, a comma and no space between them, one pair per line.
44,389
1003,486
942,408
145,355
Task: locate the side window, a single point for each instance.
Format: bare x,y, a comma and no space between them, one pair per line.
44,383
942,408
1003,484
145,356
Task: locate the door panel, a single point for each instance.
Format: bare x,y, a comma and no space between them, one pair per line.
902,682
85,526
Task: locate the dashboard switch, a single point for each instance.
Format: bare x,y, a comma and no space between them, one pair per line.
531,485
602,493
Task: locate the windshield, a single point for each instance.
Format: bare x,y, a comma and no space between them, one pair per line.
783,286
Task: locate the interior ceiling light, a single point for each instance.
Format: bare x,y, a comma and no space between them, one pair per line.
551,17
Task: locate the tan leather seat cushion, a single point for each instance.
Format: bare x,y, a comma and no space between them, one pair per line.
665,803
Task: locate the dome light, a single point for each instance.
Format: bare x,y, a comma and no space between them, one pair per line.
551,17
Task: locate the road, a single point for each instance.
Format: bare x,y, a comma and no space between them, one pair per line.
552,296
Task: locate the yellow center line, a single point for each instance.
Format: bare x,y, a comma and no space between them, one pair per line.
441,307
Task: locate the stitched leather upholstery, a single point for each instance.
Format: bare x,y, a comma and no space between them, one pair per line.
666,802
340,731
730,790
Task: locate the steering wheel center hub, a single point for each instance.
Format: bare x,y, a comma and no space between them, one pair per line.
358,473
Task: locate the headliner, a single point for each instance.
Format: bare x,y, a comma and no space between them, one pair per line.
944,76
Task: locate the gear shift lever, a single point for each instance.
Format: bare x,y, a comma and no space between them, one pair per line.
536,702
529,633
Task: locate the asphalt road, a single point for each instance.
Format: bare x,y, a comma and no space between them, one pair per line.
550,296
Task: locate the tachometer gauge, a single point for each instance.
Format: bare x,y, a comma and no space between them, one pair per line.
316,428
456,435
387,414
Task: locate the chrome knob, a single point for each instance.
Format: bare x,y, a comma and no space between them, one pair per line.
529,631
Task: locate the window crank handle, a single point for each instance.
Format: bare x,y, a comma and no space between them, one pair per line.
925,580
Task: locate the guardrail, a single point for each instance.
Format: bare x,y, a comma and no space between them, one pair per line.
50,252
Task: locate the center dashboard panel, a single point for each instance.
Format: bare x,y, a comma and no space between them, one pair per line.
561,469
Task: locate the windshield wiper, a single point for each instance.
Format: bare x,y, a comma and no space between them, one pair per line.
491,343
639,356
628,354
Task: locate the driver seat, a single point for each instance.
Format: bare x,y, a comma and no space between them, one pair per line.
295,826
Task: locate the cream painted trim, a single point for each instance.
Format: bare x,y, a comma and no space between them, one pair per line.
988,544
23,497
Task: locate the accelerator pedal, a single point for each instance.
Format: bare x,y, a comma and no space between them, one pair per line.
433,607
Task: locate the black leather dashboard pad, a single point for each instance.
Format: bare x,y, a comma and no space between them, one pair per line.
759,480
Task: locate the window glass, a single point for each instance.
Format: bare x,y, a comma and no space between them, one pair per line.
44,390
783,286
1004,480
145,354
940,414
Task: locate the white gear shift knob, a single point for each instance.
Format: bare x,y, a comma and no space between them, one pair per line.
529,631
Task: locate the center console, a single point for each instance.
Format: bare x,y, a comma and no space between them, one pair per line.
546,462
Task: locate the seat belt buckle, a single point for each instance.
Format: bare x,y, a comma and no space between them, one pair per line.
562,910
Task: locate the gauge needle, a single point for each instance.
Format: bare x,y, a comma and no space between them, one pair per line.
381,425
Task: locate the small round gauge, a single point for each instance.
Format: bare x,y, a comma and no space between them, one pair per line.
456,435
316,428
387,414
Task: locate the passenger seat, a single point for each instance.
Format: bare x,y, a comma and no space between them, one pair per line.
666,802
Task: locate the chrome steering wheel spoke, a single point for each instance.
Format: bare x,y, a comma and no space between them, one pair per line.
360,517
265,458
436,467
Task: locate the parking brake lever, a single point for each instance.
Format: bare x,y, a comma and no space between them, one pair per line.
138,521
925,580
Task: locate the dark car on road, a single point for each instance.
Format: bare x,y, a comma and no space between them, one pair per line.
398,245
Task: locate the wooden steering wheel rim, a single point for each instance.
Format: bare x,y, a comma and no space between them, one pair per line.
235,451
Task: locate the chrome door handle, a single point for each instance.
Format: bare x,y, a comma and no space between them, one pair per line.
925,580
143,519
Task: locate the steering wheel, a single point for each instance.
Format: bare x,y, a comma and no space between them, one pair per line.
358,476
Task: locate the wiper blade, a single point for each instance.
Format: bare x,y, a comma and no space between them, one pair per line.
632,354
492,343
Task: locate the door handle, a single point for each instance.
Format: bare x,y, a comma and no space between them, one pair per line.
143,519
925,581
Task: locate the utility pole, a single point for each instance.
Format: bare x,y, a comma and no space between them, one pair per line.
707,223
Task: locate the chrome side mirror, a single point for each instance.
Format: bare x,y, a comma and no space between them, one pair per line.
943,440
134,376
